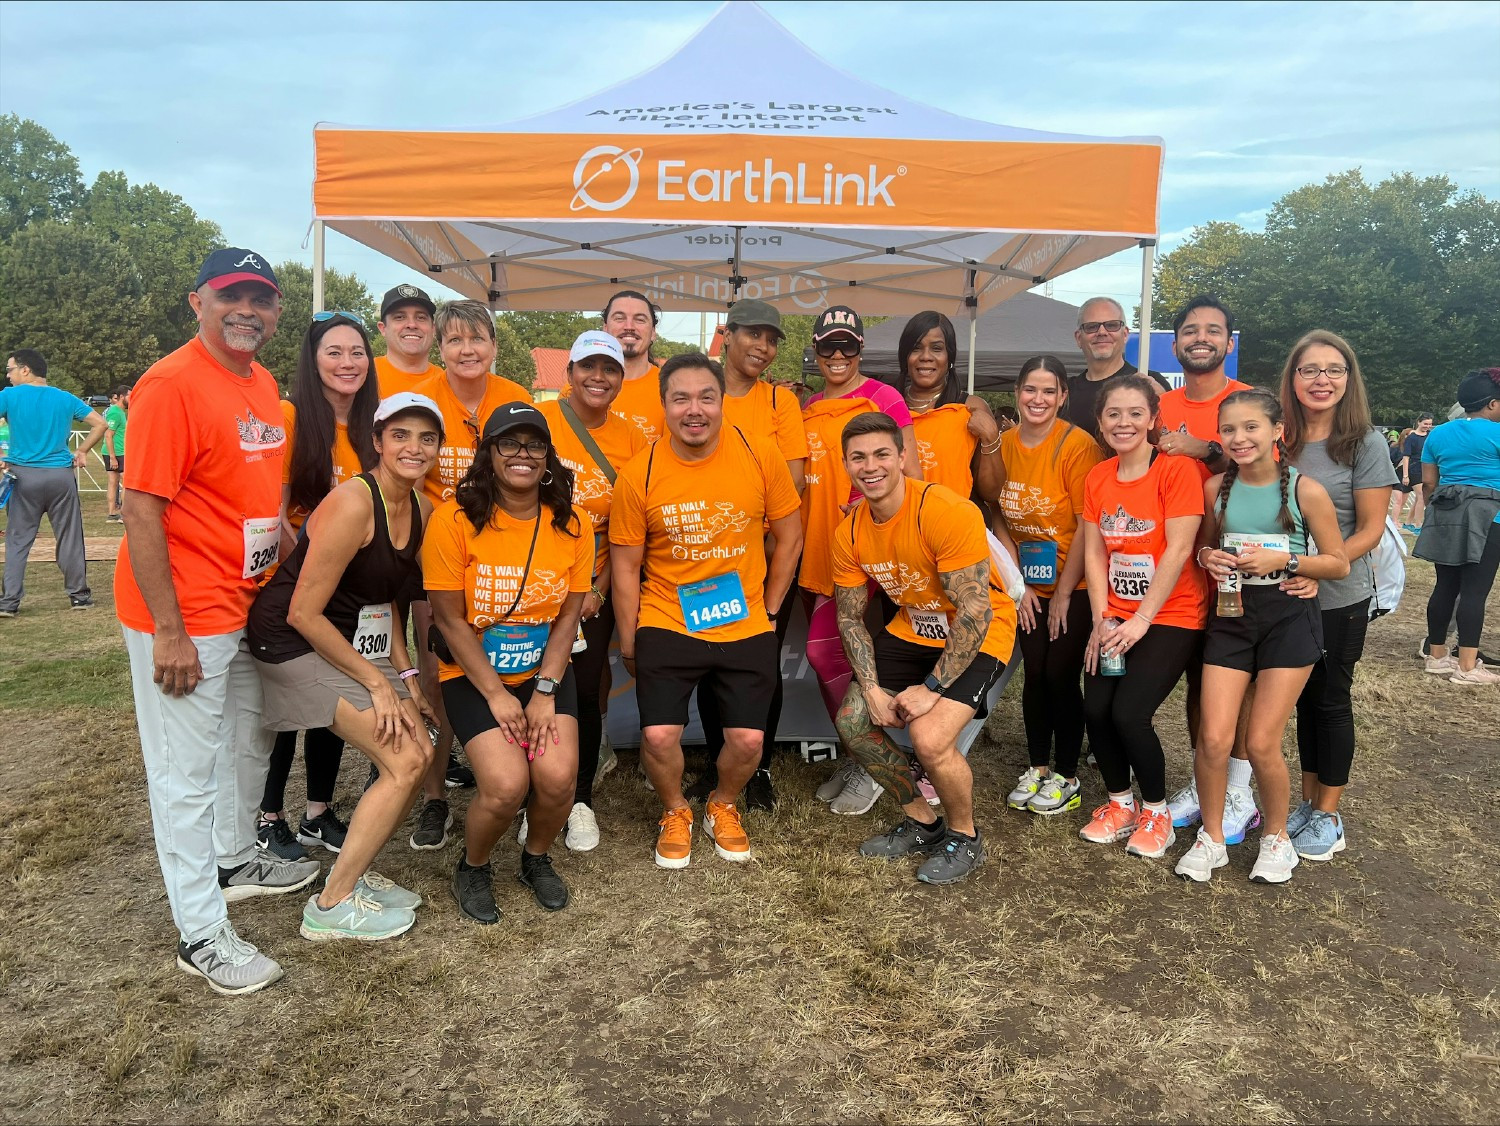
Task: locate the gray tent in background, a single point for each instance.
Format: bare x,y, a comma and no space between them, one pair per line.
1009,334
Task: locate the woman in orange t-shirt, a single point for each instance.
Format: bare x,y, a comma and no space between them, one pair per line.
1047,460
329,419
1141,512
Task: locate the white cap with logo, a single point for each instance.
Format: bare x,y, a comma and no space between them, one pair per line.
402,401
596,343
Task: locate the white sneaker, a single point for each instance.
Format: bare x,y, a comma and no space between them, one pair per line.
1240,815
858,796
1445,665
1026,787
1199,861
228,963
1184,807
608,760
1057,795
1477,675
582,833
1276,861
838,779
521,832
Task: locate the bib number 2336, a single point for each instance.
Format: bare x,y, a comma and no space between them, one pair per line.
1130,575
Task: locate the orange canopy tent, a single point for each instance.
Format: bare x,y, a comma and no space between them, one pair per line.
700,182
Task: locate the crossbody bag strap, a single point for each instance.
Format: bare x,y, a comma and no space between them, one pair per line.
581,432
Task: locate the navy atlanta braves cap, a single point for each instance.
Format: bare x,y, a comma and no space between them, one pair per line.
223,268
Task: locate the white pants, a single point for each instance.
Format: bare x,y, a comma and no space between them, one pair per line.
206,759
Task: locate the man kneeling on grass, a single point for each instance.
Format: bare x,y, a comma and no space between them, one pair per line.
932,666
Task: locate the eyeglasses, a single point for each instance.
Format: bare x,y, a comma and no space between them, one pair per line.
510,447
330,314
1310,372
1088,328
842,346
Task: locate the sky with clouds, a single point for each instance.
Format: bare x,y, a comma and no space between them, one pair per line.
217,102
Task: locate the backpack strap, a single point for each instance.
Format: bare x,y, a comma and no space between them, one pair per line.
581,432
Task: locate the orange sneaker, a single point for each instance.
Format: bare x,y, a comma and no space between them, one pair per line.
721,821
1109,823
674,838
1153,834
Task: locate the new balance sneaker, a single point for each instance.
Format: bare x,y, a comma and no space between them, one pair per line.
433,824
1240,815
1446,665
474,893
1477,675
1297,820
1057,795
325,829
228,963
1153,834
1199,861
1276,860
266,875
906,839
759,793
387,892
1108,823
357,917
1322,838
858,796
838,779
1026,788
954,861
1184,807
582,832
546,885
721,821
275,836
674,838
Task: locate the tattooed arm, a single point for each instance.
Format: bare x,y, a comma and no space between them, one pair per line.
860,649
969,590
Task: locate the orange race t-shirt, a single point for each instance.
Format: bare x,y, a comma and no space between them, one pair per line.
212,444
618,441
945,446
489,566
639,402
770,412
1200,418
345,461
1043,493
392,380
461,429
702,520
934,531
828,486
1132,517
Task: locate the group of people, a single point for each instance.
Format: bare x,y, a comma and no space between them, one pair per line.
278,556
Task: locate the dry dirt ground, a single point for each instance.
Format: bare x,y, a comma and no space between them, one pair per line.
1064,983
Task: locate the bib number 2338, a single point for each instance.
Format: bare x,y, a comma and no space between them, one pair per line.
713,602
262,538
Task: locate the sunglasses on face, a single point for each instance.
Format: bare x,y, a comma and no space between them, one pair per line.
841,346
1088,328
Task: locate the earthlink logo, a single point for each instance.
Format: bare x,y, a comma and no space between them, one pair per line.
605,178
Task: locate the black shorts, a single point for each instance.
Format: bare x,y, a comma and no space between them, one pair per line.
669,666
470,714
114,464
1277,631
900,664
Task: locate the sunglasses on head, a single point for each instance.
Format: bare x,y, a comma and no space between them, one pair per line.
839,346
330,314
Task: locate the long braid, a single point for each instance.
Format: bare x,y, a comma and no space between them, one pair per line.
1230,476
1284,517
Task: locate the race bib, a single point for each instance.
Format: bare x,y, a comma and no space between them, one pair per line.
372,634
515,647
713,602
1130,575
929,625
262,539
1241,540
1038,561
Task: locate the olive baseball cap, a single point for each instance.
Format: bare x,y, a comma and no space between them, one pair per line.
751,313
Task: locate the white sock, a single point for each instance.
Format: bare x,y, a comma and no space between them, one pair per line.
1155,806
1127,799
1239,773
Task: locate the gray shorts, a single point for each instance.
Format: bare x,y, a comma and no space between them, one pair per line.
304,692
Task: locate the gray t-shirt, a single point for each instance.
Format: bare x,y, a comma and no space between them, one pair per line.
1372,469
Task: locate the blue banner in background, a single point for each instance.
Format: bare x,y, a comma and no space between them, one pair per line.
1164,361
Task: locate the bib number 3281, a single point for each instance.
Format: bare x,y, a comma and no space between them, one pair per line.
262,539
713,602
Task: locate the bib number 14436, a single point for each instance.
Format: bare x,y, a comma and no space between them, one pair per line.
713,602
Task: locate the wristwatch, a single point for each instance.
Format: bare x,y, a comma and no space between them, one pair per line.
546,686
933,684
1215,452
1292,564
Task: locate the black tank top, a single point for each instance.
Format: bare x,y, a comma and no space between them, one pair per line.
378,574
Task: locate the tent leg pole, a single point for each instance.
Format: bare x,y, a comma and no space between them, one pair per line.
973,337
1143,344
317,293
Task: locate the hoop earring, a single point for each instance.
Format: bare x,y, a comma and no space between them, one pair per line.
547,477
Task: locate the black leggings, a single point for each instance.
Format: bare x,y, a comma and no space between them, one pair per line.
322,751
1052,698
708,703
1465,587
1118,710
1325,716
588,672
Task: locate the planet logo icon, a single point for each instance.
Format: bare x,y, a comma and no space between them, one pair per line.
602,166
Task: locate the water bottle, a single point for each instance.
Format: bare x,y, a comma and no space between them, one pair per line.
1112,666
1230,603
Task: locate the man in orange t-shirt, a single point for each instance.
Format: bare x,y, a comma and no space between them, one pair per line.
1204,338
405,324
692,584
932,666
631,318
202,494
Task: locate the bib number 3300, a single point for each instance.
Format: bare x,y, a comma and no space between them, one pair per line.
713,602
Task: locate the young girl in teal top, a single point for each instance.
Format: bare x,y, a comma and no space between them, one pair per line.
1262,520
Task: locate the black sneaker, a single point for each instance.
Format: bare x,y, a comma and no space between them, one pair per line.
371,777
275,836
759,793
325,829
458,773
908,838
959,857
476,898
83,603
703,785
433,824
537,874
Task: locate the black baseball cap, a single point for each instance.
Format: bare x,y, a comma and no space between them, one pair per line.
513,416
751,313
838,320
405,295
224,268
